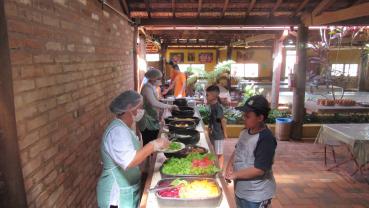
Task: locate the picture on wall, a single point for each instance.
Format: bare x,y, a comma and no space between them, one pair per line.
205,57
176,57
244,56
191,57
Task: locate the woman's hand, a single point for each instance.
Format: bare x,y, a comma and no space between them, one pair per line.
160,143
174,107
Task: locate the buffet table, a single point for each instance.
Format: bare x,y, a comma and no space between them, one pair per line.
149,199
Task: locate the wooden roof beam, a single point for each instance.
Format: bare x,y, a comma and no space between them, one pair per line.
275,7
199,8
224,8
124,5
147,4
251,6
323,5
356,11
173,8
301,6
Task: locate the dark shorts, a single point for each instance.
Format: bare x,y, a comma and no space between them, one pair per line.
243,203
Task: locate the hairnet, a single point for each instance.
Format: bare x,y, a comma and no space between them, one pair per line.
153,74
125,102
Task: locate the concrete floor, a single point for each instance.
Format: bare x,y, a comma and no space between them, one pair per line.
302,180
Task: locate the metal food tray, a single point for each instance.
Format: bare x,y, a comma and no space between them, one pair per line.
163,175
201,202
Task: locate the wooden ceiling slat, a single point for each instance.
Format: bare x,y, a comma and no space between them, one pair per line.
251,6
124,5
323,5
225,7
301,6
199,8
147,5
276,6
173,8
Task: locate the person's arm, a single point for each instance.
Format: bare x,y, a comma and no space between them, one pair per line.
229,168
183,90
150,97
171,86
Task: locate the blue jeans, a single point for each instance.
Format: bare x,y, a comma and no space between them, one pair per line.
243,203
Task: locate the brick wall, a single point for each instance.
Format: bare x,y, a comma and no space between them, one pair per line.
69,59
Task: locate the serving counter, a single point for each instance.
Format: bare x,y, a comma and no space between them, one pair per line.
149,199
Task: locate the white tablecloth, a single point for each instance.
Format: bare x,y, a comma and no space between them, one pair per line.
354,135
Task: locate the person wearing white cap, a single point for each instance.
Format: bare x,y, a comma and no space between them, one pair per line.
122,153
149,125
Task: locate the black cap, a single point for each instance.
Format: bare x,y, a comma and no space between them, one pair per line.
257,103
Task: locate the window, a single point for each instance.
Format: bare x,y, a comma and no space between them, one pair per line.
151,57
194,68
290,62
245,70
349,70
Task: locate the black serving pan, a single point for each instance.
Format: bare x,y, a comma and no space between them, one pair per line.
180,102
186,136
172,118
178,202
183,112
181,125
187,150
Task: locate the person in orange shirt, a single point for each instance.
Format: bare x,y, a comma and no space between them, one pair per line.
178,84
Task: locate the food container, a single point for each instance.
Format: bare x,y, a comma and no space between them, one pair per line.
172,118
179,202
180,102
163,175
187,150
181,125
186,136
183,112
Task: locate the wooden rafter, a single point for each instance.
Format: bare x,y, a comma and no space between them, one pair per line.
148,9
199,8
124,5
251,6
225,7
173,8
277,4
301,6
323,5
356,11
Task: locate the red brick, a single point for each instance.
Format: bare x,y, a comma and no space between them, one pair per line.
41,145
29,139
43,58
37,122
31,166
20,57
51,21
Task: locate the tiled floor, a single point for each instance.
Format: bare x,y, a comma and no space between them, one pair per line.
302,180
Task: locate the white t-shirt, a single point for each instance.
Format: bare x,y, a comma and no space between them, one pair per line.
119,146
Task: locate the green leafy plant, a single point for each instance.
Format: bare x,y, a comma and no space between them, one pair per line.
218,70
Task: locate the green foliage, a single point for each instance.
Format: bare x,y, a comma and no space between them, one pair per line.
218,70
249,91
273,114
204,113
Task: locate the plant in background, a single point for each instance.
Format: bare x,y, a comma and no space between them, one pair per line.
275,113
204,113
219,69
232,115
249,91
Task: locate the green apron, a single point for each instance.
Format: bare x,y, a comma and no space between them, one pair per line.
114,180
150,120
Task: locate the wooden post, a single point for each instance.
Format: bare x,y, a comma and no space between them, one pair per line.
277,66
298,103
12,193
363,72
135,66
229,52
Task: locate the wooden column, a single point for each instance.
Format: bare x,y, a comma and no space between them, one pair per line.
229,52
135,65
12,193
298,103
363,72
277,68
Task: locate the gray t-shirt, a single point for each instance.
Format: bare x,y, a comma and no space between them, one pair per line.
215,121
255,150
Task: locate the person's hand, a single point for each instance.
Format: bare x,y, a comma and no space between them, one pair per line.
165,91
230,175
174,107
160,143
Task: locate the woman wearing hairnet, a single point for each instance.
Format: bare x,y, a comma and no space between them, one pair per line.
121,154
149,124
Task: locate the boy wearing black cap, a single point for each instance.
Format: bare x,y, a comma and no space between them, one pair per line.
251,163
